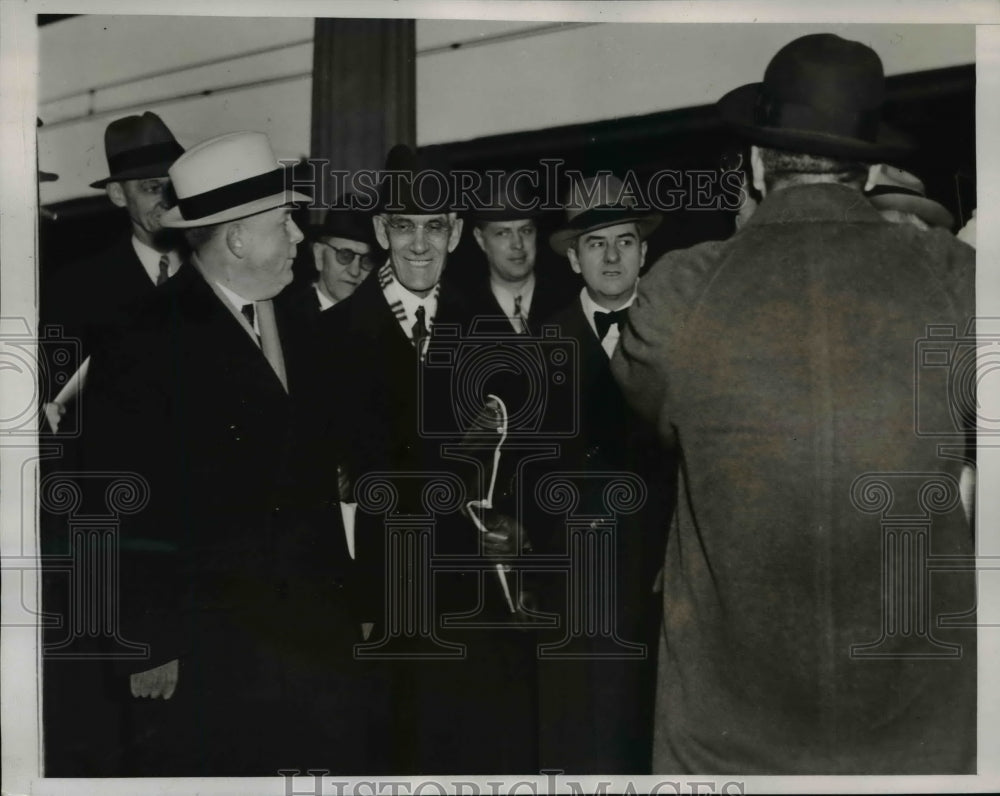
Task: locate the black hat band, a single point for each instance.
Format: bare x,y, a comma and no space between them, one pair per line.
235,194
605,215
165,152
770,112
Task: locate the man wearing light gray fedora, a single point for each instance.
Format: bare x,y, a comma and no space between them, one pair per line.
819,465
230,573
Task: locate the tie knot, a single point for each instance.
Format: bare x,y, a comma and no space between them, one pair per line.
420,330
248,313
604,320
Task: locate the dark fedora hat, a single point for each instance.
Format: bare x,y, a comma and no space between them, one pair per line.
598,202
504,196
138,147
415,182
343,220
821,95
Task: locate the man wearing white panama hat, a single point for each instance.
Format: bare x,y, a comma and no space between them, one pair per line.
782,363
225,568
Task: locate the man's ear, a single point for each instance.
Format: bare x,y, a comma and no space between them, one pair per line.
477,233
757,169
381,234
574,263
456,231
116,194
234,240
317,250
642,254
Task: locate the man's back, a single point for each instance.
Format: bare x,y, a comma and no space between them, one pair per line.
788,354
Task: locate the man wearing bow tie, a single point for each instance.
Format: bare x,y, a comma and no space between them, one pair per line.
583,728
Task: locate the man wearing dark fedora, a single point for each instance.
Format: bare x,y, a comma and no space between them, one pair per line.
595,707
504,227
455,696
231,574
781,362
82,302
85,298
342,252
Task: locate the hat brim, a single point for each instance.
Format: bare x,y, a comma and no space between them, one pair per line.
934,213
316,232
737,110
172,218
600,218
504,214
142,173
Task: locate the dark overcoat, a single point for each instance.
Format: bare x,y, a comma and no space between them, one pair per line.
821,452
232,567
460,688
596,708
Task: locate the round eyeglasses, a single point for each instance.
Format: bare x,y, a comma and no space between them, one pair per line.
347,256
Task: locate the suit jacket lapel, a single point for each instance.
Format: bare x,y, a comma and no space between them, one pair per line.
218,324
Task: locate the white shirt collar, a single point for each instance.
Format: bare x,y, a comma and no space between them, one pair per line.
590,307
324,302
150,259
238,303
506,297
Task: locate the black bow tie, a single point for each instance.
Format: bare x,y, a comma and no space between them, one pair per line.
603,321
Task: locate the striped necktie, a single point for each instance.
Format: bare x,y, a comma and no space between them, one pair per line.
520,324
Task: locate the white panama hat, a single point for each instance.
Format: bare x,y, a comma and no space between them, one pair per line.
225,178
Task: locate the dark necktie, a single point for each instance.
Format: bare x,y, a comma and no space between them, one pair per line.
420,330
603,321
164,274
247,310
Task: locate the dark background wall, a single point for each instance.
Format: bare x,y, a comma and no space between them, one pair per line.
935,108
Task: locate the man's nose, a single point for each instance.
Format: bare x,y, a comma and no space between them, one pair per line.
517,244
297,236
419,240
611,254
354,267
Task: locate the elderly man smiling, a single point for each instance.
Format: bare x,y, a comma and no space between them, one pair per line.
385,374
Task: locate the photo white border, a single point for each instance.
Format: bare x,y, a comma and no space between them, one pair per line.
19,683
